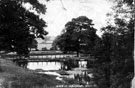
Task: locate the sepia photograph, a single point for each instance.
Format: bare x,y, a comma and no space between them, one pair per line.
67,44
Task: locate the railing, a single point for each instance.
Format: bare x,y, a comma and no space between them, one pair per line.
41,57
44,56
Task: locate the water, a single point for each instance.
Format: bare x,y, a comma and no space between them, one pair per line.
70,69
44,65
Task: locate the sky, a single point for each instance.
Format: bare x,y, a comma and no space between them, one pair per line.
58,14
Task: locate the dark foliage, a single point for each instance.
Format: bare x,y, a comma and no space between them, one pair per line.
78,35
114,63
18,26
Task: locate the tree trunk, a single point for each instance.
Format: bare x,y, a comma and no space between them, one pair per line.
133,80
77,52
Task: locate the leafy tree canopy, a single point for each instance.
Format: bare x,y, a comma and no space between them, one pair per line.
18,26
78,34
114,52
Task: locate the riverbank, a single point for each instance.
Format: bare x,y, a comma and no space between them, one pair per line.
17,77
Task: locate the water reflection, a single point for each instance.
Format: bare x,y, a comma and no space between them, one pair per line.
44,65
66,65
83,64
71,69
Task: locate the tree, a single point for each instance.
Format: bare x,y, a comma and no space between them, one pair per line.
34,45
114,54
114,63
77,32
44,49
54,44
19,26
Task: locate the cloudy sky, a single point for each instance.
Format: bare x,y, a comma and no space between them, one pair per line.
58,14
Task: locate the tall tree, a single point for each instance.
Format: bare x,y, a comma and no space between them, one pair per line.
78,35
19,26
114,63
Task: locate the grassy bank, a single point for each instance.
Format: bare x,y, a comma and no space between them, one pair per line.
24,78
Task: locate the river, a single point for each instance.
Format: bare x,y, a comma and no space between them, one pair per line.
66,70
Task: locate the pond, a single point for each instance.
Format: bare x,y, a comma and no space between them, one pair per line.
66,70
